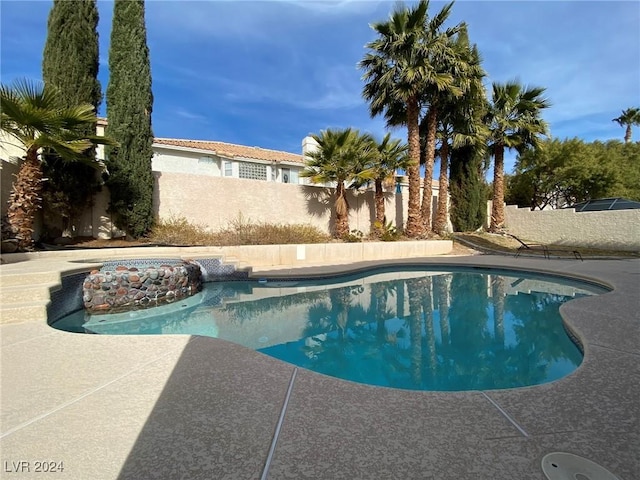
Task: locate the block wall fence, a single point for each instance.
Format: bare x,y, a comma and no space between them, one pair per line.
613,230
217,201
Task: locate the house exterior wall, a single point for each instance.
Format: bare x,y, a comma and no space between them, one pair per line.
187,161
183,162
614,230
11,150
100,128
10,153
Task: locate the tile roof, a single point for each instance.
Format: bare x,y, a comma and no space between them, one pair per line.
230,150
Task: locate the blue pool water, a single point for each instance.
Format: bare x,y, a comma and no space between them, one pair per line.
409,328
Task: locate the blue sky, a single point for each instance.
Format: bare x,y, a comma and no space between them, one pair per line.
267,73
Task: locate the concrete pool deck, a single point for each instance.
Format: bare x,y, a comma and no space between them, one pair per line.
144,407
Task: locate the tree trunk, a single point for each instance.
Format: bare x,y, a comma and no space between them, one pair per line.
427,309
379,307
342,211
497,209
414,227
427,191
627,134
498,294
440,224
379,203
415,329
442,292
25,200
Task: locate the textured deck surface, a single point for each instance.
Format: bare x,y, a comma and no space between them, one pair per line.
144,407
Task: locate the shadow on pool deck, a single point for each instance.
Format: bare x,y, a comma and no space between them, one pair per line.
206,408
215,417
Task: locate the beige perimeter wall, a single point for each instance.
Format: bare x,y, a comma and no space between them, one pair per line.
618,229
216,201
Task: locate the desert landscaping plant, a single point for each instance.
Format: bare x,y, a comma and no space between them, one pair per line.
240,231
344,157
36,117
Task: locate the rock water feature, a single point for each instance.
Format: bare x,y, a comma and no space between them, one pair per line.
131,288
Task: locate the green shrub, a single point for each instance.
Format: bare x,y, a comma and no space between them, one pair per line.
354,236
386,232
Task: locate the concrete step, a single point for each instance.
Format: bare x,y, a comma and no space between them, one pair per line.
18,313
14,279
18,294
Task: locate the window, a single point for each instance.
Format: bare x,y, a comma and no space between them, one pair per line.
294,176
228,169
253,171
286,175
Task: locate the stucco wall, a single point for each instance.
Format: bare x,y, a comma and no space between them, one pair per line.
10,152
215,202
618,230
177,162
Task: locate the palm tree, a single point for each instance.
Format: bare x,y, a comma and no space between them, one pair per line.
445,131
397,70
391,156
342,156
36,116
450,61
460,121
514,122
629,118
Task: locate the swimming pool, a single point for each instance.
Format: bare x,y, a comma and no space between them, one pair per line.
411,327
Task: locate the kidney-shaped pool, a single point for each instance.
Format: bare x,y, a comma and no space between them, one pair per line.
406,327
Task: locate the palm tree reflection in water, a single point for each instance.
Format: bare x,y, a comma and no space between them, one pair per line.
453,331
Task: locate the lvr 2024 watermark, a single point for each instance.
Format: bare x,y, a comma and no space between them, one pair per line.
37,466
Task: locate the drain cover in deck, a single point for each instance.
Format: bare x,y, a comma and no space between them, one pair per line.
567,466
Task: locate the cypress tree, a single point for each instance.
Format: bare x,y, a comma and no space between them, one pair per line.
70,64
129,105
468,190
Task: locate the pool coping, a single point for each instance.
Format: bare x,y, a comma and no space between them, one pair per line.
131,391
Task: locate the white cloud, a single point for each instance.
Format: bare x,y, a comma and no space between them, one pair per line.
190,115
335,7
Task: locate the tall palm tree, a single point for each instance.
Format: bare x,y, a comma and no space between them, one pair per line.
629,118
397,69
391,156
460,121
341,156
35,115
514,122
450,61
